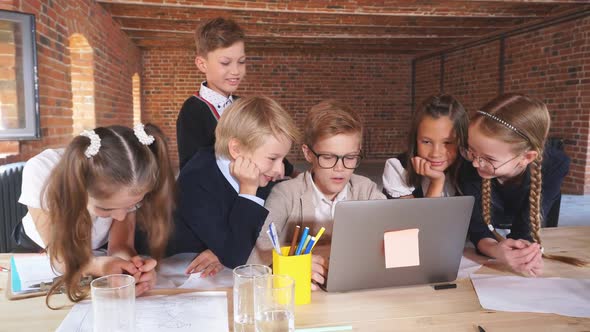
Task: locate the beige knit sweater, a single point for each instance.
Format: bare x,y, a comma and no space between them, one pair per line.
290,203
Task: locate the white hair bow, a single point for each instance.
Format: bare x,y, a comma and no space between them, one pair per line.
142,136
94,146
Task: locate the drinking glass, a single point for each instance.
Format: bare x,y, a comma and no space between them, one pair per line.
113,303
274,303
244,276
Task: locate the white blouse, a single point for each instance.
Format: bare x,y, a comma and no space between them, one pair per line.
396,185
35,175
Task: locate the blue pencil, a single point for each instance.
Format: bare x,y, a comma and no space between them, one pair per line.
309,246
303,237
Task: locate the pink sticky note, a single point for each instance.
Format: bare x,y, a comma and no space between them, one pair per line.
401,248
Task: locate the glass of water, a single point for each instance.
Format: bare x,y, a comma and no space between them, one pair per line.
274,303
244,276
113,303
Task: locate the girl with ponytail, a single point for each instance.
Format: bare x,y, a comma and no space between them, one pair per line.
515,180
105,184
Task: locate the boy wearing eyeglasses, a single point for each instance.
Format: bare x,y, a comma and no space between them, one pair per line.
332,146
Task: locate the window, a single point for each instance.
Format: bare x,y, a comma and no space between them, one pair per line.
19,94
136,99
82,74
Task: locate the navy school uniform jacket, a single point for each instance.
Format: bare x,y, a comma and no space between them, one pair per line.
510,202
195,128
211,215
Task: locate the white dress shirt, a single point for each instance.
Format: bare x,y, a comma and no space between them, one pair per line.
324,208
219,101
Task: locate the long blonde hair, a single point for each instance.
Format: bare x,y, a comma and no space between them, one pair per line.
523,122
121,162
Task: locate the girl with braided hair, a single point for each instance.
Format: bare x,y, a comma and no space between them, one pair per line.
515,179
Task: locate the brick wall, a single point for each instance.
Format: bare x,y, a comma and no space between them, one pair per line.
378,85
471,75
552,64
427,79
116,59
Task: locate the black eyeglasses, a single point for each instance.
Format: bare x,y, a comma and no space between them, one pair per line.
329,160
483,163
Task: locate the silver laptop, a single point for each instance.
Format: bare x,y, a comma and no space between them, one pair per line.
357,254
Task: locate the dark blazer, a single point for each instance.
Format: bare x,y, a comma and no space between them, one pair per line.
510,202
195,128
211,215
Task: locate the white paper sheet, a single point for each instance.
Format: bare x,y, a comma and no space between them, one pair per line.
224,278
563,296
202,311
467,267
171,275
171,270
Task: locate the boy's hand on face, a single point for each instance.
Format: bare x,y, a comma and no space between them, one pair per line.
423,167
247,174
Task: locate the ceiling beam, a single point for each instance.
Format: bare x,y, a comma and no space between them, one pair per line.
285,47
400,26
244,17
308,29
457,8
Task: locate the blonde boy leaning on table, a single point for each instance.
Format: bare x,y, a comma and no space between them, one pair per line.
332,146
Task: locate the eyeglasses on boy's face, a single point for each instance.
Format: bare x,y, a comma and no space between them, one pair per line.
329,160
485,164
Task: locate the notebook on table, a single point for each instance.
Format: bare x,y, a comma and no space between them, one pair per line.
30,275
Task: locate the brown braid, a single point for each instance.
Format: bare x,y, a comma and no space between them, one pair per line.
535,211
535,198
486,203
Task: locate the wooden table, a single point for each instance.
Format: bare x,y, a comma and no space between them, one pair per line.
416,308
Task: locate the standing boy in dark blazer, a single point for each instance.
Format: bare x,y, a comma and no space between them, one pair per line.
221,57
